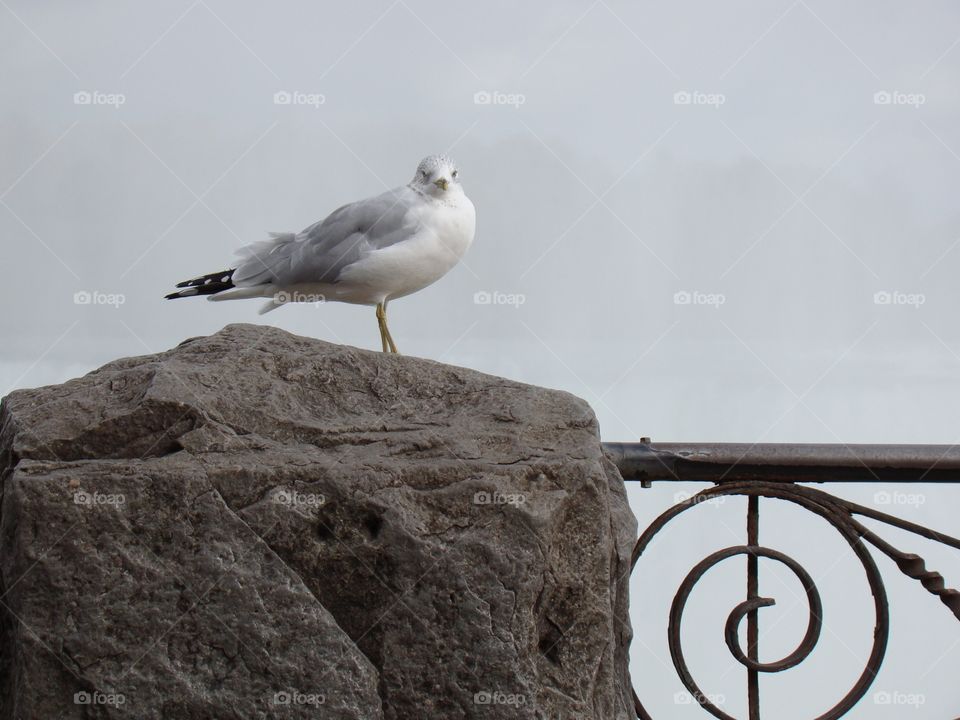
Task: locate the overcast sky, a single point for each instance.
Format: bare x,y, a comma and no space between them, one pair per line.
726,221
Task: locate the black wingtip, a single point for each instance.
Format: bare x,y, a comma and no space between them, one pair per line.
204,285
220,278
180,294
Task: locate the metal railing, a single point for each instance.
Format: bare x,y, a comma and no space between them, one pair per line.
774,471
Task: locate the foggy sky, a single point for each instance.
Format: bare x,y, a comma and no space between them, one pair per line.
775,260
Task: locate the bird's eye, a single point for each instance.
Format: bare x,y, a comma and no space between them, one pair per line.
453,174
425,174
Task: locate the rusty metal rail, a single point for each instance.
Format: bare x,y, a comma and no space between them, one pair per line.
776,462
774,472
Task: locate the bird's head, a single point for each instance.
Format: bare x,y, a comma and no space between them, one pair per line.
436,176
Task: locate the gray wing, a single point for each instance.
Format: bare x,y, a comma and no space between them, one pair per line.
322,251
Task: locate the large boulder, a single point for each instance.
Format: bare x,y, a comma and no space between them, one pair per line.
259,525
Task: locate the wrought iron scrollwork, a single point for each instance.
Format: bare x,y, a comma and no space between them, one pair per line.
842,516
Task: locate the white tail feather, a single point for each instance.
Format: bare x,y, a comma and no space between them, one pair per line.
242,293
268,306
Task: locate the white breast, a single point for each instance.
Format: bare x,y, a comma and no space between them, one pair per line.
445,233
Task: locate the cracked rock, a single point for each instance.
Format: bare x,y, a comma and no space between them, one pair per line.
261,525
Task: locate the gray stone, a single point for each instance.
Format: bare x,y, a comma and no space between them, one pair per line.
255,524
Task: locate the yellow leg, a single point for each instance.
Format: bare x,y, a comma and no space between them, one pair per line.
393,345
385,338
382,323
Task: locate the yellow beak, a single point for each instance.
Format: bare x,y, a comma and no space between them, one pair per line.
441,183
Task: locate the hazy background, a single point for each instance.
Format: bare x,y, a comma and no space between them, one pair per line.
815,165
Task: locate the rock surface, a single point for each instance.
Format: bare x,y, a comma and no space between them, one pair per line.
260,525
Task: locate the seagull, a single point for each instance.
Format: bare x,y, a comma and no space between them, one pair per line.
366,253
